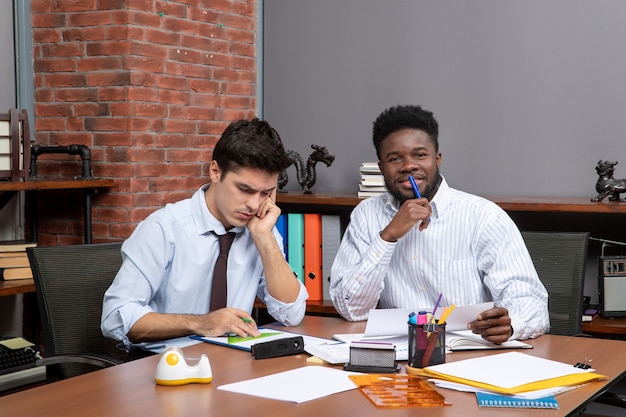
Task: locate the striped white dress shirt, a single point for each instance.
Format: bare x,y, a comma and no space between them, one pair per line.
471,252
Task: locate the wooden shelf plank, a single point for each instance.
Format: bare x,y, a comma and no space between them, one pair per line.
508,203
55,184
16,286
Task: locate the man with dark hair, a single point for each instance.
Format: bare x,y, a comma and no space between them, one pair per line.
405,247
164,288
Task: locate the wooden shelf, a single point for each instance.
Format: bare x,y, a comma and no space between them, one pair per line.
508,203
37,184
606,327
16,286
326,199
559,204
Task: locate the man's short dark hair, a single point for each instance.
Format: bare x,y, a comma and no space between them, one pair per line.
405,117
250,144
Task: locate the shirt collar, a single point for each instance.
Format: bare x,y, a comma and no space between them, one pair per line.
203,219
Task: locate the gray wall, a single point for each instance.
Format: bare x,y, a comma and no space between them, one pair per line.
529,95
7,52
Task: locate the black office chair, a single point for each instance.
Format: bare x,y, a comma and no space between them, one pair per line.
70,282
560,259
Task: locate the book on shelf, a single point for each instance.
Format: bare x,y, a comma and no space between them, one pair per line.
16,245
380,188
369,167
20,259
365,194
331,238
295,244
372,180
590,314
281,226
375,180
16,273
313,255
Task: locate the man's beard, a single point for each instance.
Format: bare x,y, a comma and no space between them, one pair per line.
427,192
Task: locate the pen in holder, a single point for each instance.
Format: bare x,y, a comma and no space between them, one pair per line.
427,344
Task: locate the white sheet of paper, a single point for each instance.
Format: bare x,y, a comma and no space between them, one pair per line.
393,321
297,385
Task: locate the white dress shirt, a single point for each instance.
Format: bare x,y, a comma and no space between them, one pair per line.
168,266
471,252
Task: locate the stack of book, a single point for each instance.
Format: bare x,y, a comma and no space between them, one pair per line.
372,180
14,262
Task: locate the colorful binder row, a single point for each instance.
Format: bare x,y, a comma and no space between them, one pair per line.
311,242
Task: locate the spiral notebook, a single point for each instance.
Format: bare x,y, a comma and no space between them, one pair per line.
486,399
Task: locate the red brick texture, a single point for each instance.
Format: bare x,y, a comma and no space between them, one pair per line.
148,86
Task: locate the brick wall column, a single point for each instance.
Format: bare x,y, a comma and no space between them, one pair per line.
148,86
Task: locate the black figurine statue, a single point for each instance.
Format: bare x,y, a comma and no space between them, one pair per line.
607,185
306,173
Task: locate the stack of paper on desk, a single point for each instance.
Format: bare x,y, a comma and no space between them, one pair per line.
390,325
466,340
511,373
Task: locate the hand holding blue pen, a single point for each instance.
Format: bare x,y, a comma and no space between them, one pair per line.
416,189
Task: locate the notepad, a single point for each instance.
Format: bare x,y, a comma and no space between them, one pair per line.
510,401
245,343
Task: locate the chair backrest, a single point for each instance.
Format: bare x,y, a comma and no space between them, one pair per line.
70,283
560,259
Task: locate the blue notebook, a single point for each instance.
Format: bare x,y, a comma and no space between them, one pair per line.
508,401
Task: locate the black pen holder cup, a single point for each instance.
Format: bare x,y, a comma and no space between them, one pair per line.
427,344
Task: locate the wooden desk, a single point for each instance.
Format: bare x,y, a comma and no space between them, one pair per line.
9,188
614,328
129,389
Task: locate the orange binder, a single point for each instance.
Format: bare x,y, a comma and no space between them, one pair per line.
313,278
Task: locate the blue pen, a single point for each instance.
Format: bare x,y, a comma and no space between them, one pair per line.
412,319
416,189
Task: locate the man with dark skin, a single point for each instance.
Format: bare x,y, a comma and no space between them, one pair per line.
402,251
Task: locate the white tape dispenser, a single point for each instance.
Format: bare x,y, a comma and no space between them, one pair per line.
174,369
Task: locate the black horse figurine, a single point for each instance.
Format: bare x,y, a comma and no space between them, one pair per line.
607,185
306,173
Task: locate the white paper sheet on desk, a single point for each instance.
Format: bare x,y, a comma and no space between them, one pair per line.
393,321
390,325
297,385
